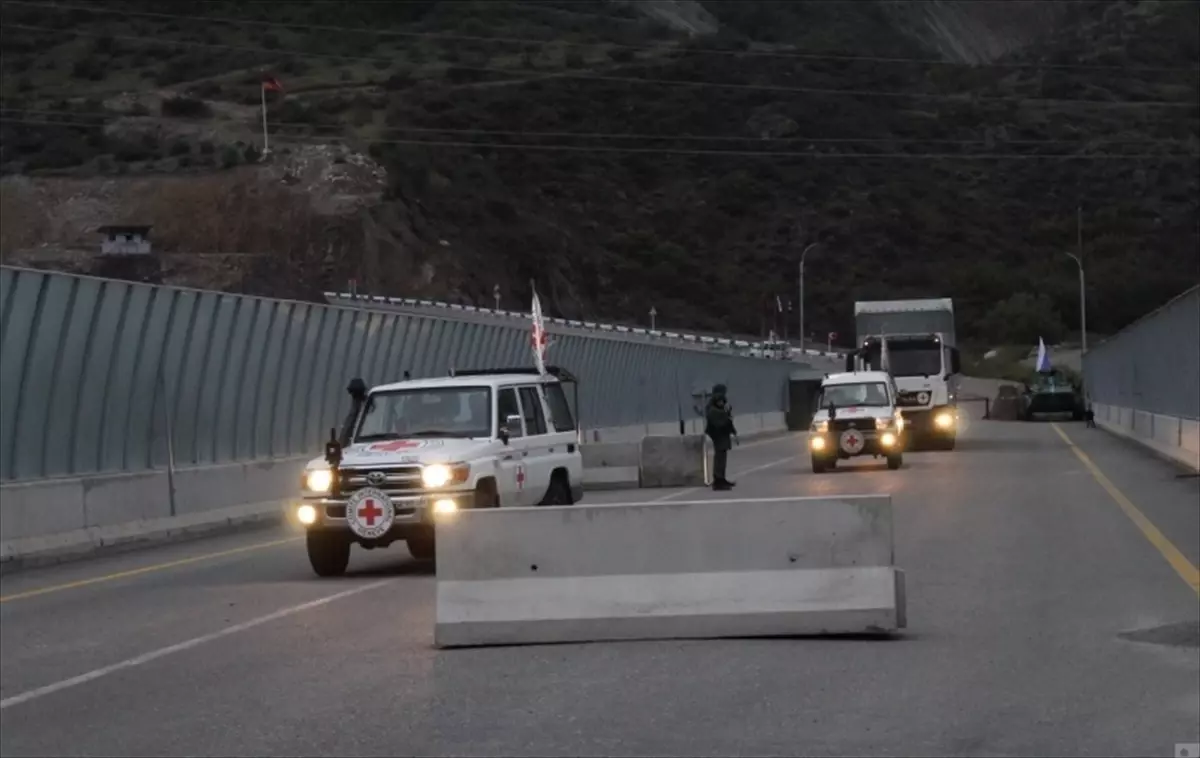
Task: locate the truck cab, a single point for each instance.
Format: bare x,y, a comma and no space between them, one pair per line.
856,416
419,450
923,357
926,372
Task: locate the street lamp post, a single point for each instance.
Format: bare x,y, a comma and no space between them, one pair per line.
801,303
1082,317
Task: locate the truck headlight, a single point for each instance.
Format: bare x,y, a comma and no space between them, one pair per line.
318,480
943,420
820,426
441,475
882,423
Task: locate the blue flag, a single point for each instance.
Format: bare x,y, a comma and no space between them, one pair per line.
1043,359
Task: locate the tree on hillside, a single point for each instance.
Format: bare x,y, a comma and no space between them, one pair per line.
1022,319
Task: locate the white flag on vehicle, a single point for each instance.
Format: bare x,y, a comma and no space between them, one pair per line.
539,341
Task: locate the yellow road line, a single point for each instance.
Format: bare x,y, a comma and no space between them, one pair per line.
145,570
1178,561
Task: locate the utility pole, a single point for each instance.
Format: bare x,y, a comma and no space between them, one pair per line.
801,303
1078,258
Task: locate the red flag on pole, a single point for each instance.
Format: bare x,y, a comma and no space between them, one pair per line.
271,84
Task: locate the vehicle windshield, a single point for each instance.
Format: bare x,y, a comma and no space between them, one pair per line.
909,357
458,412
848,395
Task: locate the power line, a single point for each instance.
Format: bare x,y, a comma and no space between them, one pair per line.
1169,157
526,41
608,135
646,81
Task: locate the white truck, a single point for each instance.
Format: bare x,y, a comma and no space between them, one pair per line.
419,450
922,356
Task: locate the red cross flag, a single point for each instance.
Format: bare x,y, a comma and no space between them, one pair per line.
271,84
539,340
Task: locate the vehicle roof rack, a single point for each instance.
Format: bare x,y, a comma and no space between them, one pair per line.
557,372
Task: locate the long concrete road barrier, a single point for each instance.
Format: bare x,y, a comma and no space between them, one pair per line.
675,570
610,465
1170,437
678,461
48,520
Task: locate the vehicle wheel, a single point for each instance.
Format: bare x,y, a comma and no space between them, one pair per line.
895,461
422,545
559,491
328,552
819,466
486,495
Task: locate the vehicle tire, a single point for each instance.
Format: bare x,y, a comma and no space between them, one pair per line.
486,495
328,552
422,545
559,491
895,461
819,466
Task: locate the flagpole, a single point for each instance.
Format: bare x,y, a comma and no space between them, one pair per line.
263,91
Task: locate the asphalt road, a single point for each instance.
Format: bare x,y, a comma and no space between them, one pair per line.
1025,576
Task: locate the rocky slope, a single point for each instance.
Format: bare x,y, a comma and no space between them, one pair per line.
675,154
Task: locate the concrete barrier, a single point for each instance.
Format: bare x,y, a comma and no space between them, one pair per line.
678,461
1175,439
675,570
610,465
55,519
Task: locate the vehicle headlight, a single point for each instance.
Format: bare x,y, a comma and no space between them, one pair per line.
944,420
440,475
882,423
318,480
820,426
818,443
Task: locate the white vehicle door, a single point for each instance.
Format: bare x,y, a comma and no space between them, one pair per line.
564,451
510,474
539,441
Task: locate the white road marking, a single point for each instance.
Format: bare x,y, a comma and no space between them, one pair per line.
75,681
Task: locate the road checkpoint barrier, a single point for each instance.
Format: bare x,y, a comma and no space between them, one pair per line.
697,569
678,461
610,465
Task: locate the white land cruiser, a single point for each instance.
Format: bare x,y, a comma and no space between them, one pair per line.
476,439
857,415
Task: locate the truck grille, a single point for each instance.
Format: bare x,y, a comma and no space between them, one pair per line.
910,399
395,481
862,424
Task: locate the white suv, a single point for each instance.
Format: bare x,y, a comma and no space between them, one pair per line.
476,439
857,415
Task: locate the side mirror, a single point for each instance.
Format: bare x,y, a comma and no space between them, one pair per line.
333,449
511,422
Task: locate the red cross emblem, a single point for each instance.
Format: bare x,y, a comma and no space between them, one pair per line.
394,445
368,512
520,477
539,337
852,440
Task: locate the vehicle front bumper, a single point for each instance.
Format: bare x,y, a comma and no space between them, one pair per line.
875,442
925,421
411,511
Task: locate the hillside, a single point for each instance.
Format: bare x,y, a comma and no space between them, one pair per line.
623,154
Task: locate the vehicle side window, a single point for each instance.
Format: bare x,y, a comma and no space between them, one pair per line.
531,403
560,410
506,405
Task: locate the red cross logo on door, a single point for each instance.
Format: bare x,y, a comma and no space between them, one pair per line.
520,477
394,445
369,511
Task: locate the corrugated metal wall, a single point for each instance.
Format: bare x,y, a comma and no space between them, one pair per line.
1153,364
89,369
